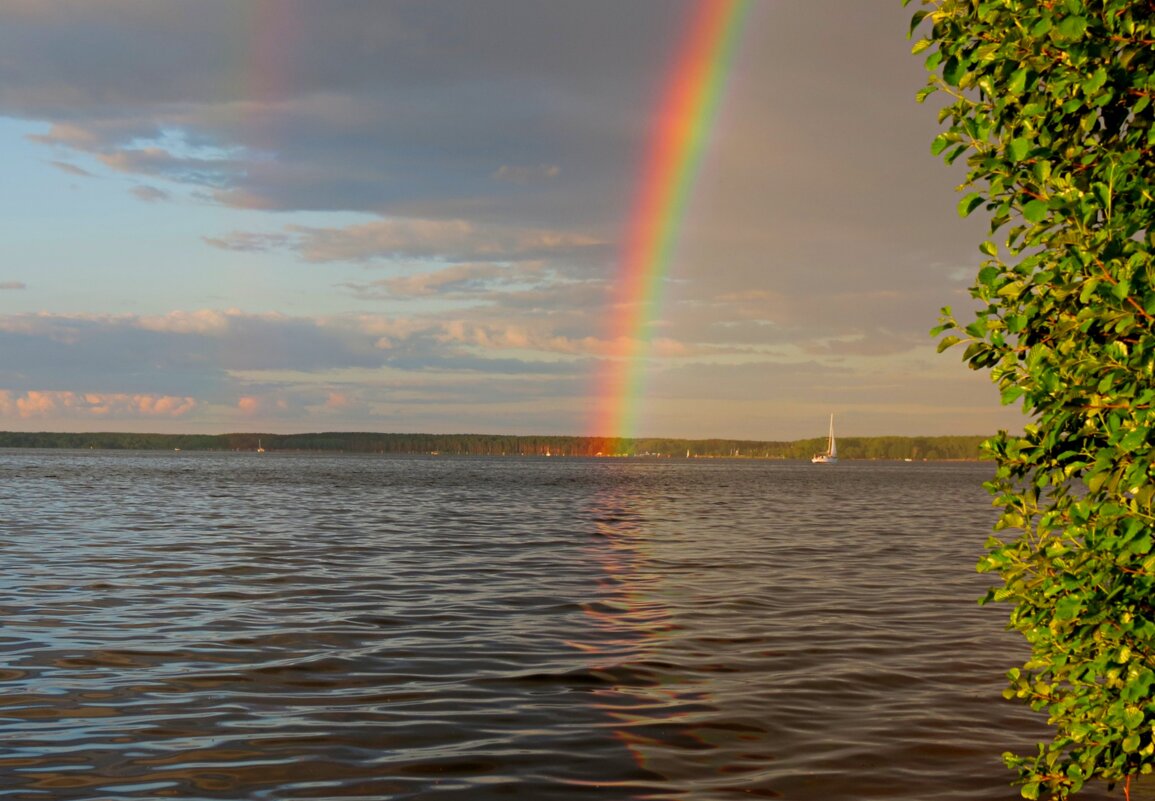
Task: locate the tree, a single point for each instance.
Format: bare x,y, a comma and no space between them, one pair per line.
1050,103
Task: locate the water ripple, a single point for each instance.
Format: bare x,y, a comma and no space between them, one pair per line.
227,626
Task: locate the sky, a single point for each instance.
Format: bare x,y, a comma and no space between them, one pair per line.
409,216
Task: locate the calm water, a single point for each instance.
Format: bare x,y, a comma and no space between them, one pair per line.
235,626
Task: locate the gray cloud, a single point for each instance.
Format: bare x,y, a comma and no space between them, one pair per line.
248,242
71,169
349,105
522,174
150,194
450,240
452,111
187,352
463,281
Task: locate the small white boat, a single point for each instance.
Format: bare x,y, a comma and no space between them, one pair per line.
830,456
259,448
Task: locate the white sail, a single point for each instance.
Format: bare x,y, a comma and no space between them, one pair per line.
830,456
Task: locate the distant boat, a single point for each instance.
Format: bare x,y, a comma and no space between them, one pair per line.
259,448
830,456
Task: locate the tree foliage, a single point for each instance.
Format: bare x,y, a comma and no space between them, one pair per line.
1050,103
918,448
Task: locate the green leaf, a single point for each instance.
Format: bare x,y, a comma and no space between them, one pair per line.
989,248
1017,82
1095,82
953,71
950,157
1011,394
1068,607
947,342
915,20
1072,28
1035,210
1018,148
941,143
969,204
1135,439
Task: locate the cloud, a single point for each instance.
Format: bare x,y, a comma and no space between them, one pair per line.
203,321
71,169
338,400
161,163
275,405
411,239
35,403
13,285
522,174
248,242
458,280
423,102
200,353
150,194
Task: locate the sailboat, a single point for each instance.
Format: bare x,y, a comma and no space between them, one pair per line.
830,456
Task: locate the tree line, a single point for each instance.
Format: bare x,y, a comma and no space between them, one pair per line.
894,448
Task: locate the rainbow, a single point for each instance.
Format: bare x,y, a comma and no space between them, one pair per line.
690,100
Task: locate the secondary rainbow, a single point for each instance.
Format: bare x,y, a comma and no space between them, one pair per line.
691,96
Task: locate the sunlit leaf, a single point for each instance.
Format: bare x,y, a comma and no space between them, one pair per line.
1035,210
1018,148
1072,27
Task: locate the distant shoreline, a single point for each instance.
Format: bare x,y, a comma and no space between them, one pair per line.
887,448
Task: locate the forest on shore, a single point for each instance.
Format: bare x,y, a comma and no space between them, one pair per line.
915,448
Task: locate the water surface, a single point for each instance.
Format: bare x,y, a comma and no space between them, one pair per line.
279,626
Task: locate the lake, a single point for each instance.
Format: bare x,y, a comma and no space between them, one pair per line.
290,626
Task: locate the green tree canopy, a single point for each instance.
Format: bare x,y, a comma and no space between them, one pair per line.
1049,101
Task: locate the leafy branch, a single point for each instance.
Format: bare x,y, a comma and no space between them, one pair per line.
1052,105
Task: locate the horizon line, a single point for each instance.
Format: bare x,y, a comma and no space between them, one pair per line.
478,434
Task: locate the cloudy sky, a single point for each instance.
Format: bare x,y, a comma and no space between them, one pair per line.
407,215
